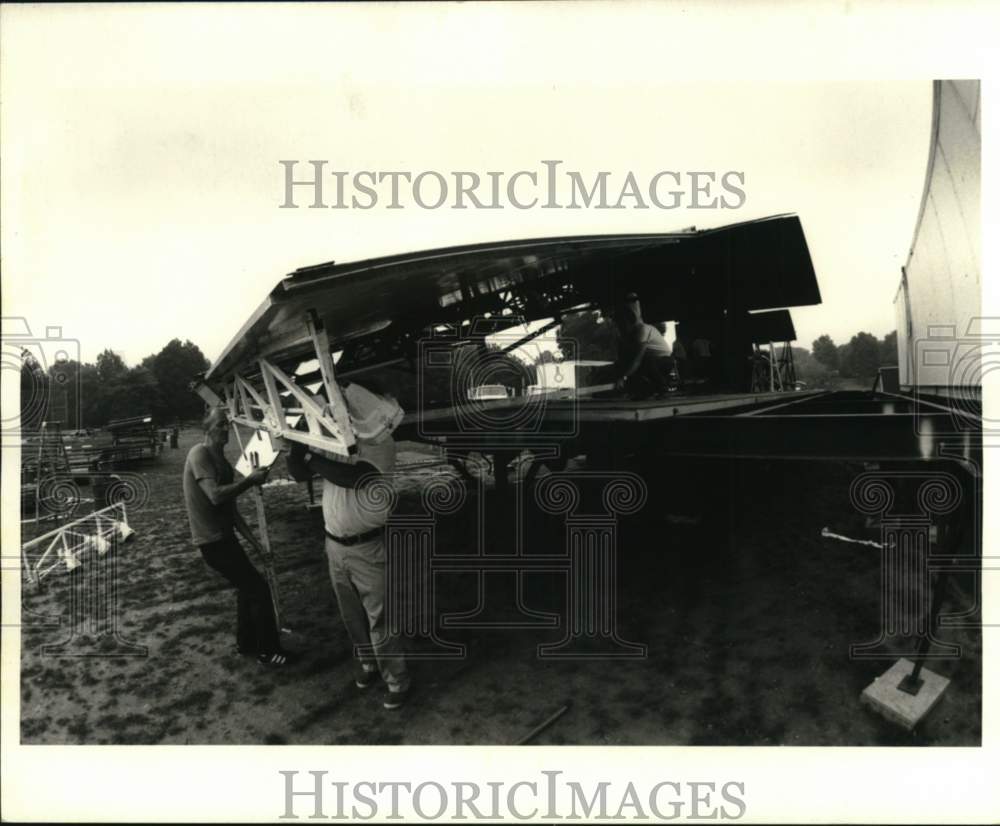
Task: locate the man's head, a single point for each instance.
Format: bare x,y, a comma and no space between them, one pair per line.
216,426
374,416
630,313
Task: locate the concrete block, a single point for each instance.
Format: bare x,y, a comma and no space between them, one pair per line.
885,697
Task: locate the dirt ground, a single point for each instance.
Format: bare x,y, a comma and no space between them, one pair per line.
746,611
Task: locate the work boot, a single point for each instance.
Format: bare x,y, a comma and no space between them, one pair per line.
365,677
396,699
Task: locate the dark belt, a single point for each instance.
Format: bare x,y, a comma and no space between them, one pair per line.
367,536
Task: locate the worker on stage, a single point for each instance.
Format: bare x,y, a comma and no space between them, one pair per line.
645,366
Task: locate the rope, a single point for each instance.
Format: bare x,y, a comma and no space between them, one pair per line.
827,534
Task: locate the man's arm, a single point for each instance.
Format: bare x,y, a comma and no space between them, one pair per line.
342,474
639,345
296,465
636,360
220,494
632,365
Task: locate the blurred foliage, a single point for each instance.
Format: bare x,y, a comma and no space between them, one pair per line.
430,383
89,395
588,336
848,365
824,351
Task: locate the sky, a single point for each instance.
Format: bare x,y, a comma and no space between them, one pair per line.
142,184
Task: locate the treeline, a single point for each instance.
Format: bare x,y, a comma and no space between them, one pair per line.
857,361
89,395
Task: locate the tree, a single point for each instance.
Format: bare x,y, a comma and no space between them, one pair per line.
476,365
63,394
137,395
93,404
825,352
432,383
173,369
888,351
815,374
111,367
588,335
112,374
34,393
859,358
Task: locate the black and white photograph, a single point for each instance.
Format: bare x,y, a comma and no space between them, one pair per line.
497,376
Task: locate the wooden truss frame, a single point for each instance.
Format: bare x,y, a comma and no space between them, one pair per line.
258,402
257,398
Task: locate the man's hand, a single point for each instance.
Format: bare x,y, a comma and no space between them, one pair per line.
258,476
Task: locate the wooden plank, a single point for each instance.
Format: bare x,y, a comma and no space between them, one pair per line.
337,403
277,408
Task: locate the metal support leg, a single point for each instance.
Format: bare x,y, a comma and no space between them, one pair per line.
907,600
911,682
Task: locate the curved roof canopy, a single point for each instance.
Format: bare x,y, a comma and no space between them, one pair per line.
756,265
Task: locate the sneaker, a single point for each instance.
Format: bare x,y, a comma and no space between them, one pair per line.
278,659
396,699
365,678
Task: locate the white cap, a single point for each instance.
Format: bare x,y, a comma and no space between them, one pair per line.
373,417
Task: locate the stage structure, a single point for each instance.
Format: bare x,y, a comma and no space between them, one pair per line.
415,314
405,320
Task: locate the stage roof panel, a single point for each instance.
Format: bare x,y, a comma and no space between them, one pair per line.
762,264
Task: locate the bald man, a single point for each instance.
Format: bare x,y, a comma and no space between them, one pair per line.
210,493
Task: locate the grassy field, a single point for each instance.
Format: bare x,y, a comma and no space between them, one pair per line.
746,611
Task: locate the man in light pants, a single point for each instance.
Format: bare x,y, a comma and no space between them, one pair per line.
354,522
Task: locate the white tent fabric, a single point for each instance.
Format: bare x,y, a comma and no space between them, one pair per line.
938,303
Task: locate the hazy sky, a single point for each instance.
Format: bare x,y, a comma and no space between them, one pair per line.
141,181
